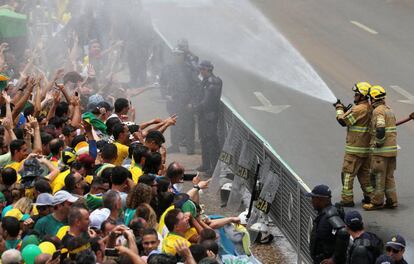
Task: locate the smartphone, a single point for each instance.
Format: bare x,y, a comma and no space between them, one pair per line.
189,175
111,252
56,254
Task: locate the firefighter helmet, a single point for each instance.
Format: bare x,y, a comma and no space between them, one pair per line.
362,88
377,92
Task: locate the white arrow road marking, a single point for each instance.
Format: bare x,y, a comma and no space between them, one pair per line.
404,93
362,26
267,105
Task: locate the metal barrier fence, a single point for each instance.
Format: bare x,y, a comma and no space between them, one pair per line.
291,211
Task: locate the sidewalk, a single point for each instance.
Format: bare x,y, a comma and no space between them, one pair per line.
150,105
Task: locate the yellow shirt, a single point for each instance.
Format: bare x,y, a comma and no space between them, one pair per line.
122,153
136,172
169,242
59,182
16,166
163,231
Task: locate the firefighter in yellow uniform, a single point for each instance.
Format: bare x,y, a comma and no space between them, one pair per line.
383,151
356,160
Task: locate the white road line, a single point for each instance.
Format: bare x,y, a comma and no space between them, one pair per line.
263,100
404,93
362,26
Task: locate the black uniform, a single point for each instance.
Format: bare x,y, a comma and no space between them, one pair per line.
329,238
179,82
365,249
208,109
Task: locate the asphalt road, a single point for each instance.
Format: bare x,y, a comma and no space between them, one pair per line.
290,53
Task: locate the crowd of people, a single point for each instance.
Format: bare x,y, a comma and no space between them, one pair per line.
80,181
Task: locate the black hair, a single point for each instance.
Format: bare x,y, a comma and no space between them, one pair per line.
110,123
19,132
106,175
16,145
133,128
67,130
42,186
155,136
86,257
9,176
139,152
62,109
152,163
57,121
162,259
171,220
132,147
174,170
70,183
55,146
120,175
210,245
117,130
150,231
107,221
109,151
46,138
76,140
121,104
207,234
11,225
198,251
29,111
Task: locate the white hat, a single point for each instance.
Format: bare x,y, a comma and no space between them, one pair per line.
98,216
44,199
63,196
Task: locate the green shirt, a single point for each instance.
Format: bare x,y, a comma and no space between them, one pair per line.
48,225
129,215
12,244
5,159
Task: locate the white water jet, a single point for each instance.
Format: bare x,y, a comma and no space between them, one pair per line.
240,34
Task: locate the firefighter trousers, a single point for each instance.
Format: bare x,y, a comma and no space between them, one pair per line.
359,167
382,177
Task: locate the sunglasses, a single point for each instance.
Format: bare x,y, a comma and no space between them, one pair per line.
395,251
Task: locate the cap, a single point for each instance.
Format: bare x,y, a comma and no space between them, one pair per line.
32,169
44,199
205,64
147,179
68,156
353,217
63,196
189,207
320,191
95,99
384,259
98,216
16,213
397,242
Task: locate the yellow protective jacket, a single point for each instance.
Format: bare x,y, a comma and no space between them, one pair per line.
383,131
357,121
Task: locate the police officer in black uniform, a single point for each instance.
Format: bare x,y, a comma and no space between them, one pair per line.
190,59
178,83
329,237
395,250
207,109
366,246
